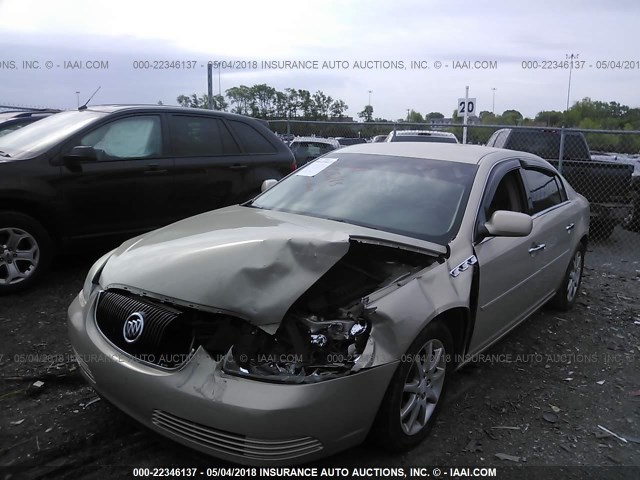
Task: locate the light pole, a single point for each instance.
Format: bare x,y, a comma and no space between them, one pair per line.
78,99
493,102
569,87
408,109
370,92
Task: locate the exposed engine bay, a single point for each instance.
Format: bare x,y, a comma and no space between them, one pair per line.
326,330
323,334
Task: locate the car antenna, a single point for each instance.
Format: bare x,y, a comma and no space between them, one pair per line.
84,107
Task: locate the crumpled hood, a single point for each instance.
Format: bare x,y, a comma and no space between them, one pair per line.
215,259
251,262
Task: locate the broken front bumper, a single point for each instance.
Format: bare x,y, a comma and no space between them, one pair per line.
237,419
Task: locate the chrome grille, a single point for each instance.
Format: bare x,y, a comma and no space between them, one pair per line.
165,339
234,444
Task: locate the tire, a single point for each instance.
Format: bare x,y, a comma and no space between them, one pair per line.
394,431
569,290
602,230
25,251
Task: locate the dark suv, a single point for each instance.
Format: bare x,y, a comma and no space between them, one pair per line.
115,171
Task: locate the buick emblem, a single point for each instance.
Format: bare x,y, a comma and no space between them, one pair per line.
133,327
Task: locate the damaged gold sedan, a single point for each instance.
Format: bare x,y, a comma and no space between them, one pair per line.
334,305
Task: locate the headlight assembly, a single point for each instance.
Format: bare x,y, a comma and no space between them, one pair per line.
305,349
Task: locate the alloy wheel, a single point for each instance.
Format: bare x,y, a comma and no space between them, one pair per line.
574,276
19,255
423,387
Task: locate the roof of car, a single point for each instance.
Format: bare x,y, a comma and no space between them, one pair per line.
165,108
452,152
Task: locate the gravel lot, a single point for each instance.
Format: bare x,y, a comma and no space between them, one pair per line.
539,395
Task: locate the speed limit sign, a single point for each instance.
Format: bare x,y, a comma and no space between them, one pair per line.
466,105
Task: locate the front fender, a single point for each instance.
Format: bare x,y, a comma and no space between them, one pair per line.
403,313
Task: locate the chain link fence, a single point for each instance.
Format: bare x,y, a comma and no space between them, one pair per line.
602,165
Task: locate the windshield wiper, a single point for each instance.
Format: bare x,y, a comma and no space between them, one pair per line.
3,154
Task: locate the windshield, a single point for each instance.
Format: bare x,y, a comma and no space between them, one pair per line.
416,197
43,134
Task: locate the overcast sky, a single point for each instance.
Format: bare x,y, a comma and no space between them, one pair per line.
506,32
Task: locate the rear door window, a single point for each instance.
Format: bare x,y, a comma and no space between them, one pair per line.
200,136
543,189
252,140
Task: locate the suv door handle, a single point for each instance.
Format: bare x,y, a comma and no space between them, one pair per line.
154,170
537,248
570,227
237,167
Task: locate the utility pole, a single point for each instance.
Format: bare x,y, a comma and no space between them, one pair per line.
210,84
493,101
466,113
569,88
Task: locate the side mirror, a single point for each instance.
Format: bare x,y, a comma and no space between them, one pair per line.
267,184
82,153
504,223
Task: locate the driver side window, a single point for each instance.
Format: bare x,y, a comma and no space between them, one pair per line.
128,138
508,195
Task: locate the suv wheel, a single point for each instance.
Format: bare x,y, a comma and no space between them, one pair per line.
25,251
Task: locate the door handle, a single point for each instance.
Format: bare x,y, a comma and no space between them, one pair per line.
537,248
237,167
154,170
570,227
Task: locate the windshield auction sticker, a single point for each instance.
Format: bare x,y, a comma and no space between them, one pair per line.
316,167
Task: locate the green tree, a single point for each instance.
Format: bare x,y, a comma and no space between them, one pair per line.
321,105
415,117
488,118
183,101
293,102
306,104
338,107
219,103
202,101
550,118
511,117
366,114
242,99
263,99
433,116
281,105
